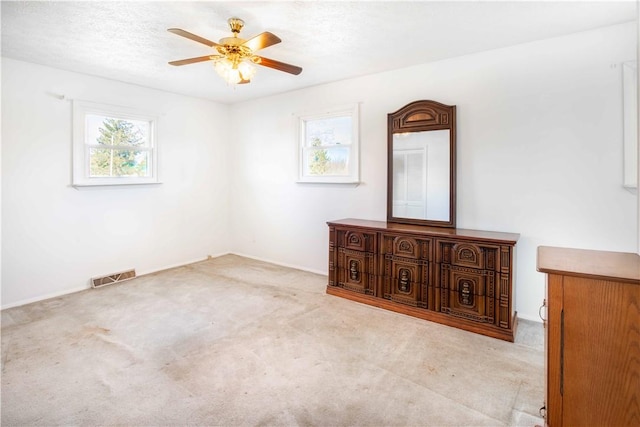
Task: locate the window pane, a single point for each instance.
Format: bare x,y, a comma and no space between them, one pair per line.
105,162
333,161
329,131
105,130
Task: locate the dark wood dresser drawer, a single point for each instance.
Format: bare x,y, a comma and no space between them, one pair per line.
356,271
406,246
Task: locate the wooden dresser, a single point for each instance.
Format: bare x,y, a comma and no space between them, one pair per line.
460,278
592,337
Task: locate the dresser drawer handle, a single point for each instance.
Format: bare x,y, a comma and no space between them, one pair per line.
544,305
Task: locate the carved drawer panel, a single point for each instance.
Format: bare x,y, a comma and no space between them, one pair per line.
469,255
469,293
474,281
406,246
406,281
357,240
356,271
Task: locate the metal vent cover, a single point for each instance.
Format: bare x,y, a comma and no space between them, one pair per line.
97,282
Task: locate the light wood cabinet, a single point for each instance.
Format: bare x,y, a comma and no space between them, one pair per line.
461,278
592,337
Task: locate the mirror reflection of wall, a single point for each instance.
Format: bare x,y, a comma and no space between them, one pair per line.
630,105
421,175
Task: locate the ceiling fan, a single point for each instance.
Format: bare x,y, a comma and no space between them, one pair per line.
235,56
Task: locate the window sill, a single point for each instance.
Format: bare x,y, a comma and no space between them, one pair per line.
113,185
345,183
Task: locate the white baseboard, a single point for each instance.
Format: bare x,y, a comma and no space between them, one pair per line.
45,297
88,286
170,267
270,261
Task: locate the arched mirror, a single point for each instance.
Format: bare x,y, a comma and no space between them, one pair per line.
421,171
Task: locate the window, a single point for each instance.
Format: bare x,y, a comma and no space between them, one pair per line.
328,146
113,146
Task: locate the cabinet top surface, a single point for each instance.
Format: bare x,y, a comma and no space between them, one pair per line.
510,238
614,266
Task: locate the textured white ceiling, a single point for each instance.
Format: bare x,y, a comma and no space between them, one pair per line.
331,41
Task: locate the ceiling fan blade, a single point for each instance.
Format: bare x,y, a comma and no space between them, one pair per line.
193,37
277,65
262,40
191,60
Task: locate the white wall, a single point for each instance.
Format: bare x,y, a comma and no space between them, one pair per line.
539,153
56,237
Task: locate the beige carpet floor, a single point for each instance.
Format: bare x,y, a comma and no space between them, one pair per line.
238,342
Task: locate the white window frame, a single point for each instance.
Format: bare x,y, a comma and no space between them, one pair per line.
353,175
81,149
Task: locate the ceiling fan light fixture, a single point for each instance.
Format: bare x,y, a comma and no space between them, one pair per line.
247,71
234,73
224,68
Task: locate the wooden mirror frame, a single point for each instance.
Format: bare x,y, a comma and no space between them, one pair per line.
421,116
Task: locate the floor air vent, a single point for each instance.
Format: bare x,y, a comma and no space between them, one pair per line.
98,282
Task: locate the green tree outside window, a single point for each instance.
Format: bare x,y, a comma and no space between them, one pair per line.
119,156
321,161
